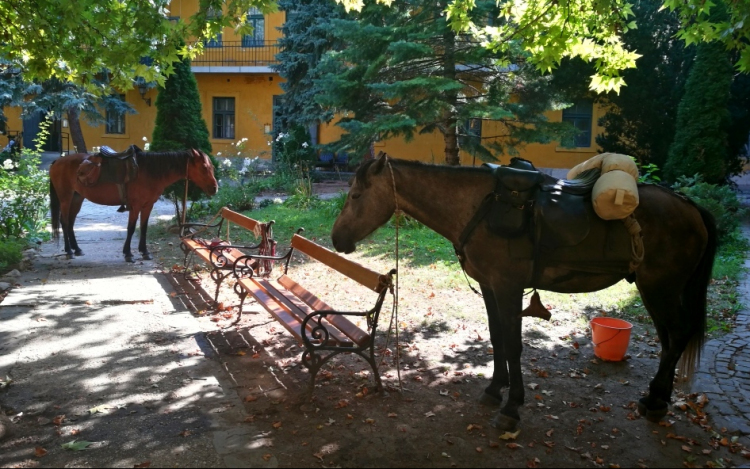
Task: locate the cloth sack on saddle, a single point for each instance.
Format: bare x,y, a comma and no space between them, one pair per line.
110,167
615,193
552,222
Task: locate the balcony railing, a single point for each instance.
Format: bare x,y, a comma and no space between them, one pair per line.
247,53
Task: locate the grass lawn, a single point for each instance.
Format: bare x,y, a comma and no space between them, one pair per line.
434,291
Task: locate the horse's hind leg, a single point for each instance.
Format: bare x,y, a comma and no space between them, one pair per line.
675,330
75,208
132,218
492,395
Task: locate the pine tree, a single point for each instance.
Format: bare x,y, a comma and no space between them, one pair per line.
401,70
306,36
700,143
179,120
180,125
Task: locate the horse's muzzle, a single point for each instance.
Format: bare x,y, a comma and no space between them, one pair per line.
347,247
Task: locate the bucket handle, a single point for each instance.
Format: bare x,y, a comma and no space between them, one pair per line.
615,335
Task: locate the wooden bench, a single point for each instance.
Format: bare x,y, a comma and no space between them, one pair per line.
223,257
322,331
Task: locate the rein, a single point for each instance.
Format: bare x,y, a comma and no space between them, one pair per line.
394,313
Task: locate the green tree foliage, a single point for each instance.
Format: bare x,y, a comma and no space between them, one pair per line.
550,30
179,123
74,40
401,70
700,143
641,119
307,34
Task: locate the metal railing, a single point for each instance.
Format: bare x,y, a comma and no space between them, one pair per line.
238,54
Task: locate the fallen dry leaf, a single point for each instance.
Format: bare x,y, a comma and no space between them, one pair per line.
58,420
510,435
268,456
277,425
251,398
512,446
39,452
479,449
144,464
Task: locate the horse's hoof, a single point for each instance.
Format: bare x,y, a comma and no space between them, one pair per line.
69,256
129,259
487,399
147,256
504,423
78,253
652,415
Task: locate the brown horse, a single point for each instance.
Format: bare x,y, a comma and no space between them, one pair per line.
679,239
156,171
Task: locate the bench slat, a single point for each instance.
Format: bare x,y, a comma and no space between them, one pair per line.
289,321
357,335
351,269
298,308
239,219
204,252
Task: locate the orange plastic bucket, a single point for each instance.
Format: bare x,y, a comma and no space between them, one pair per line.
611,338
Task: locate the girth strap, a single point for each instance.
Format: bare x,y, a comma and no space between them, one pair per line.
481,212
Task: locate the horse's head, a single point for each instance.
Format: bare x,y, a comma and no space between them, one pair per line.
369,205
201,172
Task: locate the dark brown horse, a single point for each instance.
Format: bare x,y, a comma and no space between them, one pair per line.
156,171
679,239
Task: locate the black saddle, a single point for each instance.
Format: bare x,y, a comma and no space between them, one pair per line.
550,220
557,207
109,153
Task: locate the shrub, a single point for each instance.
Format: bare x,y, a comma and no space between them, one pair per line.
24,192
11,253
721,201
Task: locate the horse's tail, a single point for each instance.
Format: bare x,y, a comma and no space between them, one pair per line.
694,298
54,208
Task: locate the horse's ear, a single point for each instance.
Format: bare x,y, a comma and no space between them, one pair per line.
196,153
379,164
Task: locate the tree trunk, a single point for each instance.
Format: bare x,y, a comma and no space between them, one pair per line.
76,133
451,98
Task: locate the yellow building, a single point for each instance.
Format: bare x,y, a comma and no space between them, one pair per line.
238,91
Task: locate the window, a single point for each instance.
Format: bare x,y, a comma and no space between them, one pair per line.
115,119
580,116
216,41
257,37
224,118
472,134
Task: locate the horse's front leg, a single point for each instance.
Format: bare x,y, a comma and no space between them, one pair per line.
142,246
492,395
132,218
75,208
509,305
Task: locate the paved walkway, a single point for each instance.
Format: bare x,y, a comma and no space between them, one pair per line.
103,344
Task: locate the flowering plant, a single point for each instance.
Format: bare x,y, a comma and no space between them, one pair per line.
293,149
23,197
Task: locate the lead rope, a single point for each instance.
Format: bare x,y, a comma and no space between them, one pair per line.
184,198
394,312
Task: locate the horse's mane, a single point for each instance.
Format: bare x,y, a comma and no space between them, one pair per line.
361,173
160,164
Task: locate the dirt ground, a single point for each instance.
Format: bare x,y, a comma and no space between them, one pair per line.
579,411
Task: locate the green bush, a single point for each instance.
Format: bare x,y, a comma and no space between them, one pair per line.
24,192
721,201
11,253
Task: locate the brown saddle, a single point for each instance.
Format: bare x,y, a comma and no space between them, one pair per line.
109,167
552,221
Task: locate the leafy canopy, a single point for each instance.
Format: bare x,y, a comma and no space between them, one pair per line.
550,30
74,40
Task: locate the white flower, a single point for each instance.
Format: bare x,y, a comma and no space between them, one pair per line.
246,161
256,158
269,144
244,140
304,145
146,146
8,164
226,162
145,139
218,154
278,201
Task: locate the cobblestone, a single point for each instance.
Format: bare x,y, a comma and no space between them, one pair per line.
724,371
